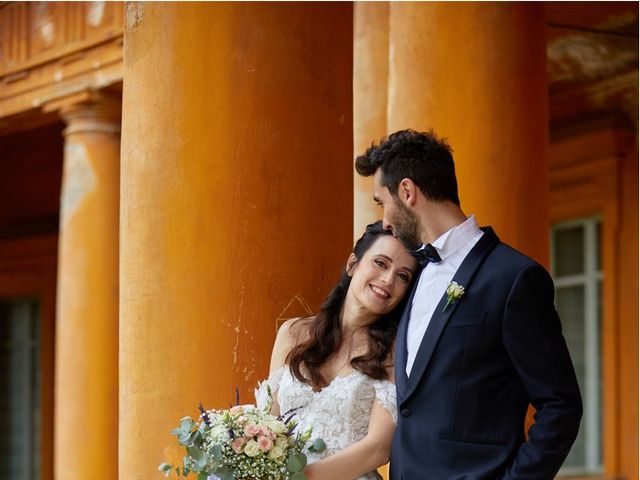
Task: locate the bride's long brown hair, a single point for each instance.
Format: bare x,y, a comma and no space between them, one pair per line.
325,337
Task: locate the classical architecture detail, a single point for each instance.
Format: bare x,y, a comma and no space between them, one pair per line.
50,50
593,70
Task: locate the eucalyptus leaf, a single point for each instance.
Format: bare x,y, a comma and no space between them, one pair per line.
186,423
302,458
186,465
216,451
298,476
295,463
165,468
223,470
195,453
184,438
203,476
318,446
195,436
224,473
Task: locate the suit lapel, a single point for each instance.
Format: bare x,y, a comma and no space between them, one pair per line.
464,277
401,343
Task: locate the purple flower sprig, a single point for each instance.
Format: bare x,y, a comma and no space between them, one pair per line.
287,416
204,416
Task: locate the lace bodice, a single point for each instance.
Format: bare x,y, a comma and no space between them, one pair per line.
339,413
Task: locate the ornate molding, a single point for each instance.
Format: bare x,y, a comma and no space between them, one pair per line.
594,72
33,33
49,50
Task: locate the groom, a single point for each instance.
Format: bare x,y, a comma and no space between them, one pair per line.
468,363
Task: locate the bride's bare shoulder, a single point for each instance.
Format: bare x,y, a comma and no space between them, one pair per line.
297,329
291,333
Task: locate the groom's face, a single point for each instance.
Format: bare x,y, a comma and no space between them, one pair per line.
396,217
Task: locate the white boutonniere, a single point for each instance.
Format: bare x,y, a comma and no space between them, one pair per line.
454,293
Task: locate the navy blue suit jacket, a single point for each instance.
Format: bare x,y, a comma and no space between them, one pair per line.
480,363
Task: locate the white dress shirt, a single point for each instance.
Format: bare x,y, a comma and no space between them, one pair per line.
453,246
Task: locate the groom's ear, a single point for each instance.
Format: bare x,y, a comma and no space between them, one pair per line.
407,191
351,263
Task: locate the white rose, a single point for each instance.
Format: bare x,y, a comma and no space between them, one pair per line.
277,426
282,442
276,453
455,290
252,449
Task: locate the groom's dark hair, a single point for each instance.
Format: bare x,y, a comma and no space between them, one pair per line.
421,156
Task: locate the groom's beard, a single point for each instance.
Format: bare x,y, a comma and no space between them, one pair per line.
406,227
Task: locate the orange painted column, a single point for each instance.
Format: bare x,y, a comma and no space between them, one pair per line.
475,73
86,381
236,206
370,74
627,298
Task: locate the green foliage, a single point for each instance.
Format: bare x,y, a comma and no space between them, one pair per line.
318,446
209,447
216,451
225,473
165,468
296,462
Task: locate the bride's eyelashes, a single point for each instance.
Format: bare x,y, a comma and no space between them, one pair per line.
380,263
405,277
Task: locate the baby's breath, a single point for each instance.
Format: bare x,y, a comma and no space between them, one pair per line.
243,442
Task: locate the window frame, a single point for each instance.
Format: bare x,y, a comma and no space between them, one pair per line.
592,396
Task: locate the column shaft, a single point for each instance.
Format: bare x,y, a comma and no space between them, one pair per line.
236,200
370,75
86,385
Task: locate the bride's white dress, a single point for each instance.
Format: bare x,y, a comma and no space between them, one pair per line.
339,413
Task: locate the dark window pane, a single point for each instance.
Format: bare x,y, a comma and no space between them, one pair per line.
35,321
569,252
20,418
12,413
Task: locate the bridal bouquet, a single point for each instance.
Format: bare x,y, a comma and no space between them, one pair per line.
243,442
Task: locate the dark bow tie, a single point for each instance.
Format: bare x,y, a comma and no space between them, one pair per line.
426,255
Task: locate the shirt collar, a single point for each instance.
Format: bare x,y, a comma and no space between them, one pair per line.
456,237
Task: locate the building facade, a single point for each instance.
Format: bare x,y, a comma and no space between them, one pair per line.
176,179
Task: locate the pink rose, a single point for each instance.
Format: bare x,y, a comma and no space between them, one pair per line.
265,444
236,410
262,430
237,444
271,434
251,430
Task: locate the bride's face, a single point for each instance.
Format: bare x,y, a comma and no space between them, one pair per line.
380,280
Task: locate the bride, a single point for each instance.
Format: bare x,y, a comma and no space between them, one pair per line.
336,368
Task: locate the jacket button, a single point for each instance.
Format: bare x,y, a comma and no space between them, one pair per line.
405,412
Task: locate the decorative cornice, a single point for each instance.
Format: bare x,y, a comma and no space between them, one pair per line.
50,50
88,112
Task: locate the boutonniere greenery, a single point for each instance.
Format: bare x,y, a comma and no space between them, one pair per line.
455,292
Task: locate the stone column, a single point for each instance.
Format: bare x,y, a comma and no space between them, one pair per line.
475,73
236,200
370,75
86,378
